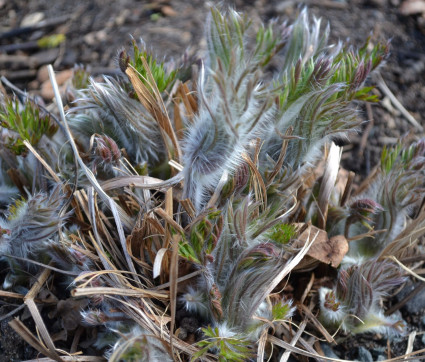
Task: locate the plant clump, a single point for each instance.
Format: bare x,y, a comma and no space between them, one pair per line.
176,209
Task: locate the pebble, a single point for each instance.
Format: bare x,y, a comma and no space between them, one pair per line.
364,355
61,78
32,19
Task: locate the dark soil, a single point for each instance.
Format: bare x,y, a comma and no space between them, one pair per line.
95,30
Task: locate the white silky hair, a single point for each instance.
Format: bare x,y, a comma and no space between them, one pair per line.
220,134
110,110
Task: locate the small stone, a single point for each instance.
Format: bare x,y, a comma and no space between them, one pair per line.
168,11
381,357
61,78
364,355
90,38
122,17
43,74
32,19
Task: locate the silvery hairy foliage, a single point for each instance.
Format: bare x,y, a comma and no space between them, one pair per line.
306,103
394,192
374,219
107,108
354,303
235,149
28,230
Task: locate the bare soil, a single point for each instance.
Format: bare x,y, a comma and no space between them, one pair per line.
95,30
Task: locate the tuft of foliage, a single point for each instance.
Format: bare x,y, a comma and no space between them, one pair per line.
24,123
282,233
228,345
199,199
164,78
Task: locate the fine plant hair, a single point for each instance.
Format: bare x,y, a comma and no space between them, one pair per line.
395,190
195,211
234,108
110,111
29,230
354,302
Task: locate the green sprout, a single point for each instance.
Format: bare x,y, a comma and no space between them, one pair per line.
282,233
163,77
26,124
228,345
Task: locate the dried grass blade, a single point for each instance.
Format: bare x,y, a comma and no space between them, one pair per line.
178,121
192,100
97,243
294,341
32,340
143,182
405,268
50,171
143,293
217,192
262,345
188,101
316,322
181,279
95,274
174,274
161,212
383,86
6,294
42,161
12,312
328,183
188,207
308,288
154,105
35,313
410,342
278,342
348,188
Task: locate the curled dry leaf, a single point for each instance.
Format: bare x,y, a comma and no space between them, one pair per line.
326,250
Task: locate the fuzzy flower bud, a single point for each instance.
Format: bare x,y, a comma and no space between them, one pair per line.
355,301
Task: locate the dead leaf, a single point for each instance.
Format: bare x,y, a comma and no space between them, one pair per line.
329,251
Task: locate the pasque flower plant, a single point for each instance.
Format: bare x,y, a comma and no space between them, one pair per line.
212,201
